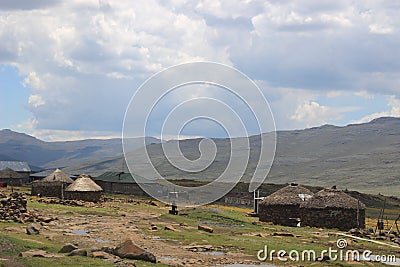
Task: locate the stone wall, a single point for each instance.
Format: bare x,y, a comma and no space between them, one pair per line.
238,201
85,196
282,214
48,189
342,219
13,208
12,181
121,188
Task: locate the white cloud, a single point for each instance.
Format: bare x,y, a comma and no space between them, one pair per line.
364,94
394,111
36,100
313,114
380,29
83,59
33,80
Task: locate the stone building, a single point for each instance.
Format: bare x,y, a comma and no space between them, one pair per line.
119,183
283,206
10,177
84,188
333,208
52,185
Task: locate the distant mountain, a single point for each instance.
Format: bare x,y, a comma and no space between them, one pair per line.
23,147
363,157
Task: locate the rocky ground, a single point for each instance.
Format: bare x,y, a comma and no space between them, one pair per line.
122,231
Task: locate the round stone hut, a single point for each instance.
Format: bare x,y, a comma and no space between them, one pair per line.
333,208
10,177
283,206
52,185
84,188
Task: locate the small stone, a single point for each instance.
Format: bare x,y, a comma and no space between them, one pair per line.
282,234
324,258
32,229
101,255
45,219
205,228
39,253
152,203
170,228
78,252
67,248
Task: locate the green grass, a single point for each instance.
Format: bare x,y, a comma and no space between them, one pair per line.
72,209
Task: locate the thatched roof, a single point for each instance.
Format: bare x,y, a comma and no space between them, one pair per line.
10,173
83,184
58,176
333,198
289,195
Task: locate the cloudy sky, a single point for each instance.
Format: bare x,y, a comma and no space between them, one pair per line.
69,68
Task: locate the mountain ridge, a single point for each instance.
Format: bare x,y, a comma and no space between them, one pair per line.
362,157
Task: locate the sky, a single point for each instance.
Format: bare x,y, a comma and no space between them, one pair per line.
68,69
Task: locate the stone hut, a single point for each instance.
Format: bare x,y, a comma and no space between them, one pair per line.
283,206
10,177
84,188
52,185
333,208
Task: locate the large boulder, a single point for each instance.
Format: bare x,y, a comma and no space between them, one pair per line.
129,250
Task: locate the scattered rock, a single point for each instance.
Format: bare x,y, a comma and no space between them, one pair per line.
101,255
32,229
324,258
256,234
78,252
67,248
152,203
205,228
39,253
45,219
129,250
170,228
283,234
153,227
199,248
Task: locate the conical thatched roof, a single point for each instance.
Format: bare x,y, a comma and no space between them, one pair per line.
333,198
289,195
58,176
83,184
10,173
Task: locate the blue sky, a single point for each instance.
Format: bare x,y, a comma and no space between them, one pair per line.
69,68
14,98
